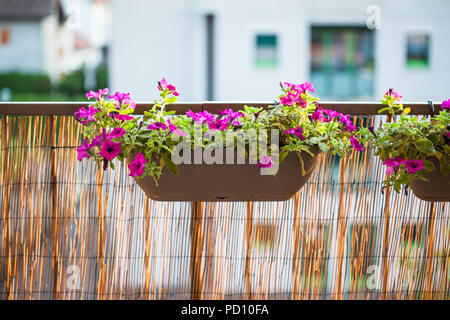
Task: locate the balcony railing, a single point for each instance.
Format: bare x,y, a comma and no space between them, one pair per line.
70,230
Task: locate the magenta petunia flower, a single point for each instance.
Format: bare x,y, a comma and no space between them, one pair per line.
219,124
356,144
331,114
84,115
231,114
99,140
97,95
123,117
394,163
173,128
265,162
296,131
122,98
350,127
394,94
448,134
318,115
83,150
445,104
157,126
110,150
137,165
164,85
117,133
201,117
414,165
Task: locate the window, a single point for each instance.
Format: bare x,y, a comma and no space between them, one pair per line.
266,51
417,51
342,62
5,36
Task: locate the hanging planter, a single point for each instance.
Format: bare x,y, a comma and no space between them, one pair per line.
294,130
436,189
230,182
416,152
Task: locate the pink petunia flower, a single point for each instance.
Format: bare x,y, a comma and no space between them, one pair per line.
117,133
296,131
157,126
123,117
414,165
318,115
84,115
219,124
445,104
394,94
356,144
110,150
164,85
200,117
97,95
83,150
137,165
173,128
265,162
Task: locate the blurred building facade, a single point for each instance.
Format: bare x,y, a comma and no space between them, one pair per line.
46,36
240,50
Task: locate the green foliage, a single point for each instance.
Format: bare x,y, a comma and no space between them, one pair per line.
411,139
245,128
21,83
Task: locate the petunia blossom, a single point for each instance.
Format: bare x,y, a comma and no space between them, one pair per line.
173,128
356,144
137,165
83,150
84,115
122,98
394,94
296,131
317,115
201,117
445,104
219,124
164,85
230,113
157,126
117,133
123,117
110,150
414,165
99,140
97,95
265,162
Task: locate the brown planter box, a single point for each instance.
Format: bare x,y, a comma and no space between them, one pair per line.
230,182
437,189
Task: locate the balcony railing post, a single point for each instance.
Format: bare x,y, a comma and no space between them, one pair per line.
430,250
249,241
196,250
295,262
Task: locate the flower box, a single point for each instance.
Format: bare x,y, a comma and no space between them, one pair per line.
437,189
230,182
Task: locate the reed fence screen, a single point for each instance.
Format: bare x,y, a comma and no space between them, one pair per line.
72,231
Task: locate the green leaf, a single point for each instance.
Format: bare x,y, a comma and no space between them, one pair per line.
425,146
283,155
428,165
172,100
323,147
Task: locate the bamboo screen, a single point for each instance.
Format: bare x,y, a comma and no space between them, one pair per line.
71,231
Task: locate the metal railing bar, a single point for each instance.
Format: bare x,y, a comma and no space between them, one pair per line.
68,108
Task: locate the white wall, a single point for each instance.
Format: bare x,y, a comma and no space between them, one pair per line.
152,39
23,52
